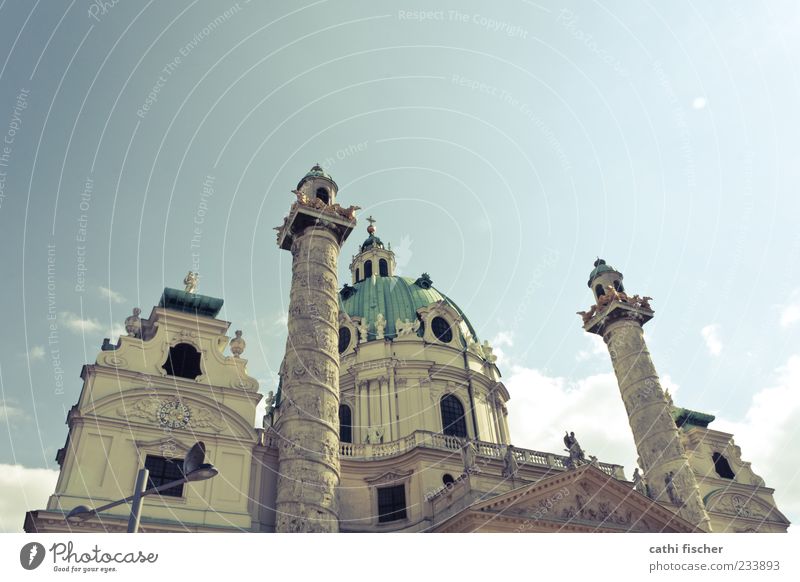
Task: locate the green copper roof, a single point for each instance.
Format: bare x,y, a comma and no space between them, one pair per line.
394,297
372,241
315,172
600,266
190,302
687,418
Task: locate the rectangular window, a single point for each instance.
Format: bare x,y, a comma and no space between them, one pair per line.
391,503
162,471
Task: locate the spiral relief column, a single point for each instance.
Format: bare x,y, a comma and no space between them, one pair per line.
618,319
308,423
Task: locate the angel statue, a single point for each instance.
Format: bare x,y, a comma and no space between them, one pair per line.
191,282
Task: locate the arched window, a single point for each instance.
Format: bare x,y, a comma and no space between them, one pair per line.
344,339
618,286
453,421
368,269
345,424
722,466
383,268
441,329
447,479
183,361
322,194
358,275
598,289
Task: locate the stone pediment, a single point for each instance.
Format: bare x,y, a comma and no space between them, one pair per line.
743,505
581,500
193,413
389,478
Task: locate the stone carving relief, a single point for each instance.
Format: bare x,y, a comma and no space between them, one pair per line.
590,505
374,435
363,330
149,408
380,326
406,328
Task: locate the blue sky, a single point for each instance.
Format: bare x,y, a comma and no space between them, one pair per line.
501,148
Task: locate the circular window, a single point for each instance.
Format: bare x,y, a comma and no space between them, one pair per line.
441,329
344,339
447,479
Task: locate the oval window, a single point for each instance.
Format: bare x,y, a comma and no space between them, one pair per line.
344,339
441,329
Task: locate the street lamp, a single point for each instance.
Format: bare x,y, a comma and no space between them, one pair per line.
194,469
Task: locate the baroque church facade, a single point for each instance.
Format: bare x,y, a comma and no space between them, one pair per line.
390,415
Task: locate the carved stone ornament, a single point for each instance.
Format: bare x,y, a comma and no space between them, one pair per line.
380,326
406,327
133,324
190,282
389,477
238,344
363,329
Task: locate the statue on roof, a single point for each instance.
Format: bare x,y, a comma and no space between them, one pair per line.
191,282
133,324
406,327
576,454
469,456
510,464
238,344
380,326
363,329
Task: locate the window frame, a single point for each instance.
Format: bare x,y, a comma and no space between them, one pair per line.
449,334
458,422
164,477
399,487
349,425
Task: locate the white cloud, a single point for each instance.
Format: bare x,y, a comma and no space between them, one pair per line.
597,347
501,339
790,313
36,353
282,319
74,322
699,103
112,295
8,412
23,489
543,407
710,334
402,254
769,435
90,327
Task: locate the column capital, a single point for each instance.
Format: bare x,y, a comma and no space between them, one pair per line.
313,214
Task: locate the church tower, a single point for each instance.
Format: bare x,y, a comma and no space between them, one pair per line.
618,319
308,426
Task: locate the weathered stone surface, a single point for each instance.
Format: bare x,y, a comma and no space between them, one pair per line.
667,472
308,461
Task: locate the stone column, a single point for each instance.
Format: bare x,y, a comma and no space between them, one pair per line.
308,423
667,473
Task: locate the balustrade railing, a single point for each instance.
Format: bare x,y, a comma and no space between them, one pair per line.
432,440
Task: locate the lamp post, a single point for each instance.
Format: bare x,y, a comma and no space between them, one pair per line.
194,469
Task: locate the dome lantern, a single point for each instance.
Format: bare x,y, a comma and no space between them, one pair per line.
373,258
603,276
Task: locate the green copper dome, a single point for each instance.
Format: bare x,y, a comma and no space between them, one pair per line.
316,172
394,297
600,267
